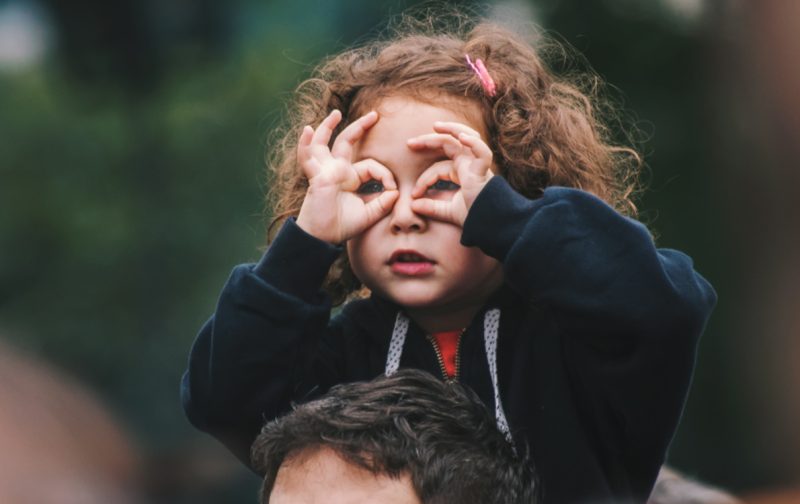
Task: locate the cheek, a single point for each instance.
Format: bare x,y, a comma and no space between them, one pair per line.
353,254
448,235
476,263
357,255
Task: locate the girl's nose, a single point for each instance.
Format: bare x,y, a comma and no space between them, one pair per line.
403,218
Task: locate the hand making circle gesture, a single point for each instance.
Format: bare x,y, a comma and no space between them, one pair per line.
469,166
333,210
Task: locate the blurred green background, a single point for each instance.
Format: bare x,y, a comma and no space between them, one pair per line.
132,142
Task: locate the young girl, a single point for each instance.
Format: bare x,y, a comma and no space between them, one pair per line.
477,198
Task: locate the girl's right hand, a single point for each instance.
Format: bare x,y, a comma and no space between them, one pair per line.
334,210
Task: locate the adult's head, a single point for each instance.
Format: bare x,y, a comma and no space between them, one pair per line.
407,438
59,443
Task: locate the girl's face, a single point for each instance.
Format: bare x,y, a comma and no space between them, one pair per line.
406,257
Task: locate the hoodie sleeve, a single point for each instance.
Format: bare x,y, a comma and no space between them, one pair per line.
245,364
630,314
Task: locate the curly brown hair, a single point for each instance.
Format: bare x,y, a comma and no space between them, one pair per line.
545,130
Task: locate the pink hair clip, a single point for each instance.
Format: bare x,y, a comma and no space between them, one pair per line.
486,80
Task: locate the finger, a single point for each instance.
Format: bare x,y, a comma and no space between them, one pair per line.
454,128
369,169
441,170
344,143
477,146
437,209
304,140
303,151
311,169
449,144
380,206
324,131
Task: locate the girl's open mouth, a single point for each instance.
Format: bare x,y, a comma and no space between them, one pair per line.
410,263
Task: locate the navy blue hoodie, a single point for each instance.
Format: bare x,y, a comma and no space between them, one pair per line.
595,351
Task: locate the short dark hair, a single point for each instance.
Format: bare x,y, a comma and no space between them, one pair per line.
439,433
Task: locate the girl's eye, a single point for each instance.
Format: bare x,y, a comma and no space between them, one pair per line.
370,187
444,185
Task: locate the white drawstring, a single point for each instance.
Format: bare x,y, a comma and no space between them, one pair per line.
396,344
491,329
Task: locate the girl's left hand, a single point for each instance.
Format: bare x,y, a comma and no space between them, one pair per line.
469,166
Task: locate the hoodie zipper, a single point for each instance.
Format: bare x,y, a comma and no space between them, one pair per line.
440,358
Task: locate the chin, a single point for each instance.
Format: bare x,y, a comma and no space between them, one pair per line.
411,298
413,301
